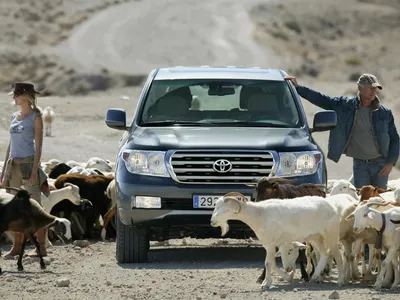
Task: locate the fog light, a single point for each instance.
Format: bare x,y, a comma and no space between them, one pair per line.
146,202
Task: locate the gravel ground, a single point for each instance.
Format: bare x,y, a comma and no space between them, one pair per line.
182,269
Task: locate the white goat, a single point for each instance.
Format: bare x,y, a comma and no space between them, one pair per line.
394,184
98,163
47,166
48,118
73,163
367,217
276,222
83,171
76,170
331,182
68,192
340,186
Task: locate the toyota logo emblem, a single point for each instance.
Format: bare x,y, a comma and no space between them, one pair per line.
222,166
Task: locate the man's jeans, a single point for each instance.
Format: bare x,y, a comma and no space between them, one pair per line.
366,173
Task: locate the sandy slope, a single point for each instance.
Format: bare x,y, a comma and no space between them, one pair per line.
139,36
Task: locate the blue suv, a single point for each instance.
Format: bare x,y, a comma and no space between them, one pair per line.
199,133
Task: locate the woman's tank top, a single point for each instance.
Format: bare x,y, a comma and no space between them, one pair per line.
22,136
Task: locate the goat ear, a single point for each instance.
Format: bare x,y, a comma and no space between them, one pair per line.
369,215
235,201
380,190
349,217
275,185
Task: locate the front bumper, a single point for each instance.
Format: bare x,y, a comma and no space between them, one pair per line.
176,198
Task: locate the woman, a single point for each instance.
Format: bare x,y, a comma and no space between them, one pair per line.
22,162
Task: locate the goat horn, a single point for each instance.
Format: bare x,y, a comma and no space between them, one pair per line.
236,194
377,203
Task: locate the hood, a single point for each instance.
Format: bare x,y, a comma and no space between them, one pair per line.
257,138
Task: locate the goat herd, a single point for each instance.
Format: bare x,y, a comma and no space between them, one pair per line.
81,197
322,225
325,225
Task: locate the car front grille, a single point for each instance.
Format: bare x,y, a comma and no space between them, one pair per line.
202,167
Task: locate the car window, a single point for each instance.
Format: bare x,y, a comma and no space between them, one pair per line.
213,102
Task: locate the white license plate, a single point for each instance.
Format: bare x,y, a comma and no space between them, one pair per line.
208,201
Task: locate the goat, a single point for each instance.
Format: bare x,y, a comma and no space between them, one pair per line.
331,182
343,186
92,188
48,118
269,188
73,163
98,163
275,222
49,165
369,191
84,171
111,194
367,217
20,213
281,188
59,169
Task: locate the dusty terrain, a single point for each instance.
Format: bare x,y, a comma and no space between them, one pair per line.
114,43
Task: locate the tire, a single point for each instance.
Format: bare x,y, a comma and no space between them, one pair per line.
132,243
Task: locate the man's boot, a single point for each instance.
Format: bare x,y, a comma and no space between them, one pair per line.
16,248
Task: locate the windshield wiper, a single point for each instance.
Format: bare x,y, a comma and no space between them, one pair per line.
168,123
251,124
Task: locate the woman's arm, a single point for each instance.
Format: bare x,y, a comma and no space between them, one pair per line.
7,152
38,129
5,160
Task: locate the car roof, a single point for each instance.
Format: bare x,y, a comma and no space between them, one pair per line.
230,72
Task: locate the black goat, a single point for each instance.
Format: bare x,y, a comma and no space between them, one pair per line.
20,213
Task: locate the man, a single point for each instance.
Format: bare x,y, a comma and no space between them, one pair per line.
365,130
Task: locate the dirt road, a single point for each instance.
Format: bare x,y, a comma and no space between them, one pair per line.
138,36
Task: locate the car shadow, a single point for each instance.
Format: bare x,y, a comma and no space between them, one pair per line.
202,258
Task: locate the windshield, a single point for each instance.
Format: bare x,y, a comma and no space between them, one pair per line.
220,102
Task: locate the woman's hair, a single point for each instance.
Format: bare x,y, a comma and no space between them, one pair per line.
31,98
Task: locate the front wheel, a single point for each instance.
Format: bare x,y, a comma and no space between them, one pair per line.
132,243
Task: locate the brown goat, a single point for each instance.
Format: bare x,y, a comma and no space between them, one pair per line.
92,188
368,191
281,188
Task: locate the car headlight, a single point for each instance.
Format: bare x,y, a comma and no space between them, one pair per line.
298,163
145,162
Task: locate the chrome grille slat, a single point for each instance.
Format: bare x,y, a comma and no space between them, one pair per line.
212,170
261,163
223,155
197,166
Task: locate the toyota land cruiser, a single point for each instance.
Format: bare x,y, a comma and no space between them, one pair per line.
199,133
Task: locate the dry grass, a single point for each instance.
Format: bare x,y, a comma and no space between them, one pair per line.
342,36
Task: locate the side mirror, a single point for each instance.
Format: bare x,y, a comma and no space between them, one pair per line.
116,118
324,120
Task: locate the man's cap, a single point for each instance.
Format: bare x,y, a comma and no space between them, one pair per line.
369,79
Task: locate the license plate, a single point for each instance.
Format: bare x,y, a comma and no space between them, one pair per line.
208,201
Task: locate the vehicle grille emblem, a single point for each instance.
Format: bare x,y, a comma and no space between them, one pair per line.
222,166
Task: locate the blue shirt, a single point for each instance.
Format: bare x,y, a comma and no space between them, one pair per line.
22,136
